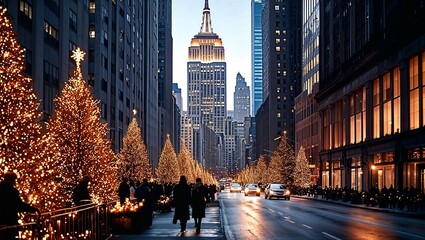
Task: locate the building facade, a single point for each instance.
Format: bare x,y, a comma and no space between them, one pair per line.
371,97
206,75
241,100
256,54
118,39
281,72
306,114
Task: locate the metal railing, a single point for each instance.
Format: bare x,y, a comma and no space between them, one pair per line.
89,221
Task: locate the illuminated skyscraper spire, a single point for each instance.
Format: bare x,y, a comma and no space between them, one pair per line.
206,19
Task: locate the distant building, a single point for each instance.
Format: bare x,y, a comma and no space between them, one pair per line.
187,132
256,54
206,75
241,100
177,92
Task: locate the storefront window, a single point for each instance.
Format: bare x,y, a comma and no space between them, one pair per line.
414,93
376,112
356,174
396,88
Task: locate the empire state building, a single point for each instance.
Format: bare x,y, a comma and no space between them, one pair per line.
206,76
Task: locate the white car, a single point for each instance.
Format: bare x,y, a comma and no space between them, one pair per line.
252,188
277,190
235,187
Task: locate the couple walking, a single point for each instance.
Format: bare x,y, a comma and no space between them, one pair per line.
183,196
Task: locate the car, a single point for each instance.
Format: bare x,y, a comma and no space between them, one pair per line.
277,190
252,188
235,187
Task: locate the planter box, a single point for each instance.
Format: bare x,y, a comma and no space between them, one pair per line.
126,223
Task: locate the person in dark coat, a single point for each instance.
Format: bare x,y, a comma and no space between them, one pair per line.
181,195
10,204
81,194
199,202
123,190
144,193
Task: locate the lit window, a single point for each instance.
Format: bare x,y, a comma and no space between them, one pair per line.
278,32
278,115
92,32
49,29
276,7
277,49
92,7
26,8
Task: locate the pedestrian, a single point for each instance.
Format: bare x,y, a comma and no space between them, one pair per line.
199,202
181,195
81,193
144,193
10,205
132,188
123,190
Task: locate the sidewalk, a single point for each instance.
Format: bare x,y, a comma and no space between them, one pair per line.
162,227
376,208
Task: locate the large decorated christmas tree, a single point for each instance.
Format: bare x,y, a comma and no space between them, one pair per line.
184,159
168,168
302,175
282,163
23,148
133,160
80,134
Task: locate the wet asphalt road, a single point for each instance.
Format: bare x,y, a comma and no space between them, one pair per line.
257,218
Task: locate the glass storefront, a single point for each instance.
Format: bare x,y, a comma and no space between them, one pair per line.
356,174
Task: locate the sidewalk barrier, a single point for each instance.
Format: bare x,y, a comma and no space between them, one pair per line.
90,221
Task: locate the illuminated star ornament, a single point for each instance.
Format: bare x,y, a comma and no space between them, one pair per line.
78,56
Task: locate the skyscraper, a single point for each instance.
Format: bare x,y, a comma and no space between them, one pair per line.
241,99
256,55
177,92
281,73
206,75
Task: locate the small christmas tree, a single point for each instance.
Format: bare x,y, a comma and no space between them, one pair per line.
77,130
261,169
302,175
168,167
23,148
184,159
133,160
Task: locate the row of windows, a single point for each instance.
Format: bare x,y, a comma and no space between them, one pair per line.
386,108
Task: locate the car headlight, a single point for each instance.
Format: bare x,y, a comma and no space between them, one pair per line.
271,192
287,192
258,190
246,189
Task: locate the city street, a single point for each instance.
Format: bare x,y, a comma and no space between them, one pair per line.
258,218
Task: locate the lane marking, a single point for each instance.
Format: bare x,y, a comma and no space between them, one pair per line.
271,210
331,236
290,221
280,213
306,226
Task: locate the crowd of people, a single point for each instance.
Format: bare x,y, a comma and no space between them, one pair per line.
182,196
410,199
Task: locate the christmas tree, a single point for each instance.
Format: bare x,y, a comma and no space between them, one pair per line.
261,169
77,130
23,148
133,160
184,159
168,167
302,176
282,163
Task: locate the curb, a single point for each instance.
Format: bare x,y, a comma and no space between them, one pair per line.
224,224
376,209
